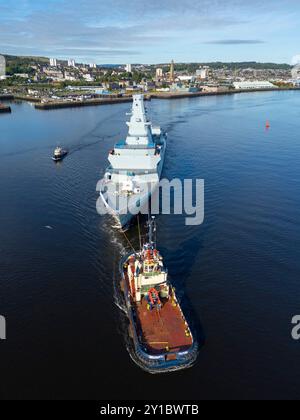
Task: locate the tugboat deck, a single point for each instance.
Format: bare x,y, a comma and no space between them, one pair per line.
163,331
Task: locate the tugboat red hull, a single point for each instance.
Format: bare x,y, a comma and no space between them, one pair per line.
162,339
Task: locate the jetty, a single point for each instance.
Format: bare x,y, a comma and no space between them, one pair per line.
6,97
50,104
88,102
176,95
110,100
5,109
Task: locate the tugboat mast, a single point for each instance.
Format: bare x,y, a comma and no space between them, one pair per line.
152,229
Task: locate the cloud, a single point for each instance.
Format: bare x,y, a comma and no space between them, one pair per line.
149,30
236,42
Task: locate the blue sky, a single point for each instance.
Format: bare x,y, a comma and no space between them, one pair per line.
152,31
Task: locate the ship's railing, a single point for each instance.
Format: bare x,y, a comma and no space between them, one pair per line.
124,145
130,173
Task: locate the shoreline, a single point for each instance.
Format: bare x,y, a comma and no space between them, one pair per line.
219,93
51,105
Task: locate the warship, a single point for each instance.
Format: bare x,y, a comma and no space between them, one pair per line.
136,165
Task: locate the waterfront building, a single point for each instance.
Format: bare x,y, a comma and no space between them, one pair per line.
215,88
180,88
53,62
98,90
188,79
254,85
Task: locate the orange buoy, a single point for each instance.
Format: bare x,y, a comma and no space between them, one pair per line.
268,125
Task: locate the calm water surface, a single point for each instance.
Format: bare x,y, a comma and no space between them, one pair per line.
239,271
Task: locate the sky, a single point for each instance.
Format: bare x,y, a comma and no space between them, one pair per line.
152,31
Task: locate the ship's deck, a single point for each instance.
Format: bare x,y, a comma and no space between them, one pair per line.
163,331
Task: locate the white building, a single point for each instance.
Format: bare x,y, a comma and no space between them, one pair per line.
128,68
93,66
71,63
203,73
296,72
2,67
159,73
88,78
55,75
53,62
22,75
254,85
186,78
69,77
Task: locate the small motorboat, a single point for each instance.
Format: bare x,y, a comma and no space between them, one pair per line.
59,154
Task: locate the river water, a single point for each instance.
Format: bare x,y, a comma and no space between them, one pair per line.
238,272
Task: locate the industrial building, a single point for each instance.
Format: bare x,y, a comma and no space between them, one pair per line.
254,85
203,73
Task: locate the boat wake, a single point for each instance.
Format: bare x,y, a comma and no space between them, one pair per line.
82,146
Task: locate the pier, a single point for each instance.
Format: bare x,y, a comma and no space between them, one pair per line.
75,104
7,97
46,105
127,99
5,109
175,95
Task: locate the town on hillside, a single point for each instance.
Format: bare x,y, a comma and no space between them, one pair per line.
49,79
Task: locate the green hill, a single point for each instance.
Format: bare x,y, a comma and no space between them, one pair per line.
15,64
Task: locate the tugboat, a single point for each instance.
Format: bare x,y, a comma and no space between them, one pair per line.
59,154
162,338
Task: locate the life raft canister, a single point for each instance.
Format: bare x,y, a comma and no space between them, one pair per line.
155,293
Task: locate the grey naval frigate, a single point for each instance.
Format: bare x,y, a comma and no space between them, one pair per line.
136,165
